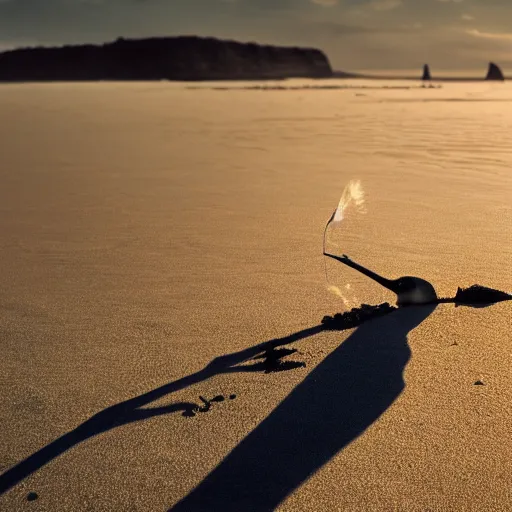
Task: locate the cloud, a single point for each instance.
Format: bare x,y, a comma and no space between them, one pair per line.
489,35
451,1
329,29
325,3
385,5
467,17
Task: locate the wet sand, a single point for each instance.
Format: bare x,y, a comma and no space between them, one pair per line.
148,229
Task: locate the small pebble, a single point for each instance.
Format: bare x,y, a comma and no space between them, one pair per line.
232,397
218,398
32,496
479,383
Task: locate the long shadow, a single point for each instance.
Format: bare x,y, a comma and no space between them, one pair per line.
133,410
334,405
361,369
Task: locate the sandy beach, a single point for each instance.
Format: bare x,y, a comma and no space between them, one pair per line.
149,229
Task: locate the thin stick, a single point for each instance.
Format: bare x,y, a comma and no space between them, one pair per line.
325,233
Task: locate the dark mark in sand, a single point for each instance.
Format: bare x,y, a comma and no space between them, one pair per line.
272,360
191,411
356,316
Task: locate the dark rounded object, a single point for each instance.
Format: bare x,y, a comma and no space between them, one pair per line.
232,397
32,496
478,294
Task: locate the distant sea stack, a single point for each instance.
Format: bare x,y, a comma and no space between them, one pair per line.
494,72
184,58
426,73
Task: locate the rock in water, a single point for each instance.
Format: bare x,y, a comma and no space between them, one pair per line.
494,72
426,73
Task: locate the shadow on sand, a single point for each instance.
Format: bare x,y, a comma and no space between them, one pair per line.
335,404
132,410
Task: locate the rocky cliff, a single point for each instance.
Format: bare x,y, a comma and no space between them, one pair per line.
494,72
171,58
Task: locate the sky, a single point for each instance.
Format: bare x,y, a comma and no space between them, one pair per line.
356,35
